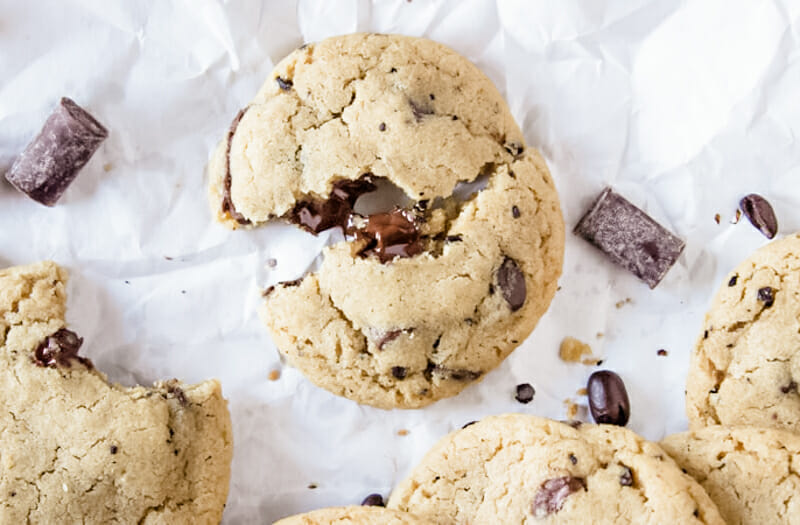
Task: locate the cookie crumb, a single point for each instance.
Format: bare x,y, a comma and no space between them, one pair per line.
737,217
274,375
661,352
572,350
402,432
717,218
107,167
572,409
592,362
582,391
600,335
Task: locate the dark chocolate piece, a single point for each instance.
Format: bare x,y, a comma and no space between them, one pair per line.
573,459
114,449
767,296
399,372
52,160
629,237
626,478
316,216
284,84
382,126
733,280
761,215
525,393
515,211
227,201
390,235
608,399
551,495
514,148
60,349
388,337
791,387
511,281
373,500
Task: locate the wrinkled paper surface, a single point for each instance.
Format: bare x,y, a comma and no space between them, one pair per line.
683,107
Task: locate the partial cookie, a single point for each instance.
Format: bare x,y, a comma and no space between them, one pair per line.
525,469
746,365
76,449
420,301
748,472
354,515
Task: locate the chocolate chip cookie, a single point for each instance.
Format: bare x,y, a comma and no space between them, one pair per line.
354,515
524,469
76,449
746,365
422,299
748,472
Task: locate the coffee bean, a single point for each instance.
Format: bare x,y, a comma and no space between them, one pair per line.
608,399
525,393
761,215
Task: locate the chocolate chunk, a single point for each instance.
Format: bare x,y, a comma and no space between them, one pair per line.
399,372
608,399
511,281
373,500
114,449
60,349
525,393
573,459
626,478
390,235
52,160
552,494
761,215
791,387
285,85
733,280
388,337
319,215
419,110
382,126
515,212
227,201
767,296
629,237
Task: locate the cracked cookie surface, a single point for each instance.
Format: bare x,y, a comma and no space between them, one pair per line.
750,473
746,365
524,469
354,515
76,449
420,302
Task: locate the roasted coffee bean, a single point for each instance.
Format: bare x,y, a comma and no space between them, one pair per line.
761,215
608,399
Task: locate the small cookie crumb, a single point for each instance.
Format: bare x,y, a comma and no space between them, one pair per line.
572,350
582,391
717,218
592,362
600,335
572,409
272,263
274,375
402,432
661,352
107,167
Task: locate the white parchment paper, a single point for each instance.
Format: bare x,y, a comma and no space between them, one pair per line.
684,107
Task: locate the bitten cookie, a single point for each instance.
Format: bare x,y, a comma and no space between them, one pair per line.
524,469
76,449
420,301
748,472
746,365
354,515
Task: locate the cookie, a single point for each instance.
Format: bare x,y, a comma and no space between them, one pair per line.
748,472
354,515
523,469
421,300
76,449
746,366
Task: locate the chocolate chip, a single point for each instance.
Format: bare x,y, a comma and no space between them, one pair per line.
373,500
662,352
705,334
455,117
626,478
515,212
767,296
393,70
525,393
608,399
511,281
573,459
552,494
316,216
451,373
432,97
399,372
714,390
514,148
382,126
468,424
733,280
388,337
284,84
422,205
629,237
419,111
390,235
60,349
453,238
761,215
114,449
791,387
52,160
227,201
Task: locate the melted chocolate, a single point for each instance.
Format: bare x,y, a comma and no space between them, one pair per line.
512,283
316,216
553,492
60,349
227,202
390,235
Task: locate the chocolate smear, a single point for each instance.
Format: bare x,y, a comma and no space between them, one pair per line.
551,495
760,213
227,201
390,235
52,160
630,237
60,349
399,372
511,281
